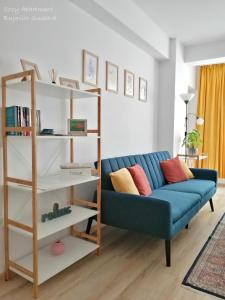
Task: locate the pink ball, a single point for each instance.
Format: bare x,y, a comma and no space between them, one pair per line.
57,248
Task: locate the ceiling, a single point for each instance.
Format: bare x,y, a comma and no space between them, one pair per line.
191,21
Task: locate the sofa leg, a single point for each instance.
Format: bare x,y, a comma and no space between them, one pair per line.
186,227
211,204
168,252
88,229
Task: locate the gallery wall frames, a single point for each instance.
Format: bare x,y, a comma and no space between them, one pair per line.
112,80
143,89
128,83
90,68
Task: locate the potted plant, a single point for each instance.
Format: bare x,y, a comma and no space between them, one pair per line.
192,141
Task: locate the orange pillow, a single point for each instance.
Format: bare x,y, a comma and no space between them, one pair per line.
123,182
186,169
140,180
173,171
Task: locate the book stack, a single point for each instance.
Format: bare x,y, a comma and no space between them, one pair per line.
18,116
78,169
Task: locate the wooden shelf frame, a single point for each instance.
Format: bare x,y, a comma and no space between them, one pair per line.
33,275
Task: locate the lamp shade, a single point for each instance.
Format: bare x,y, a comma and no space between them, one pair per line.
187,97
200,121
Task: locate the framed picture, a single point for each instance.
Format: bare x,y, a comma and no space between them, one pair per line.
72,83
112,77
128,83
143,87
28,65
77,127
90,68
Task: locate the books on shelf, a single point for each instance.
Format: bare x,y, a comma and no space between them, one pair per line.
18,116
79,169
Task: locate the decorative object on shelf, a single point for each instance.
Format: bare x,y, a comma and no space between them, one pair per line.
72,83
27,65
187,97
90,68
78,169
47,131
53,75
143,88
112,77
192,141
77,127
56,213
128,84
57,248
18,116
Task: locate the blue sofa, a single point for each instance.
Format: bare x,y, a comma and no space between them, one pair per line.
167,210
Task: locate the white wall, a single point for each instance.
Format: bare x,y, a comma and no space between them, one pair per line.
166,100
128,126
207,53
185,79
122,16
175,78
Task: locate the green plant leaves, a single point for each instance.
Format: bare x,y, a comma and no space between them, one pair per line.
193,139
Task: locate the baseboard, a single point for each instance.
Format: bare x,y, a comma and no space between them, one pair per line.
221,181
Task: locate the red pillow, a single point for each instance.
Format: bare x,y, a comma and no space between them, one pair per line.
172,170
140,179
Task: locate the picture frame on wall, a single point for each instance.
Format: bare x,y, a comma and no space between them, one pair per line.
112,82
128,83
90,68
143,89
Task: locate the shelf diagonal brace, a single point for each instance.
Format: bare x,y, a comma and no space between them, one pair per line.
20,225
20,268
84,235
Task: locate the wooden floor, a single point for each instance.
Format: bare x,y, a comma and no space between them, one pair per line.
131,267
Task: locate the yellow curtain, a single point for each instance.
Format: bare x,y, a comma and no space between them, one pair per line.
211,106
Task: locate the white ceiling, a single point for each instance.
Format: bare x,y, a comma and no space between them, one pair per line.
191,21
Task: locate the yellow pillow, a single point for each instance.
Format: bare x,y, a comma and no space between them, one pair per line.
123,182
186,169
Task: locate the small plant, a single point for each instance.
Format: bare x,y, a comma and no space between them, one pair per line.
193,140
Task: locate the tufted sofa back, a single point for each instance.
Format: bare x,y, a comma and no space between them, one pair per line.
149,162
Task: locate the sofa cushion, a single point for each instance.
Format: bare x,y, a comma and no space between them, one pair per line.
173,170
149,162
140,180
198,186
180,202
123,182
186,169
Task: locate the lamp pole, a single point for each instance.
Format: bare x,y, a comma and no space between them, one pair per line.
186,127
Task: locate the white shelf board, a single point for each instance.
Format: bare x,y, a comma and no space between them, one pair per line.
53,137
51,90
58,181
49,265
47,228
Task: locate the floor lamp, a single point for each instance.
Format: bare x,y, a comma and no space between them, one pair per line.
199,121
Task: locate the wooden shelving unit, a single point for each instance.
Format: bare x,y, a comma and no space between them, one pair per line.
40,265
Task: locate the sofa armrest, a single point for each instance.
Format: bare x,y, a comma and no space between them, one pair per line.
138,213
205,174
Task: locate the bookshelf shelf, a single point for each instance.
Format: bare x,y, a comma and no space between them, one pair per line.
55,182
40,264
52,90
50,265
54,137
77,215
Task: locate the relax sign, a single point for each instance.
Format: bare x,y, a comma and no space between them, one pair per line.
56,213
